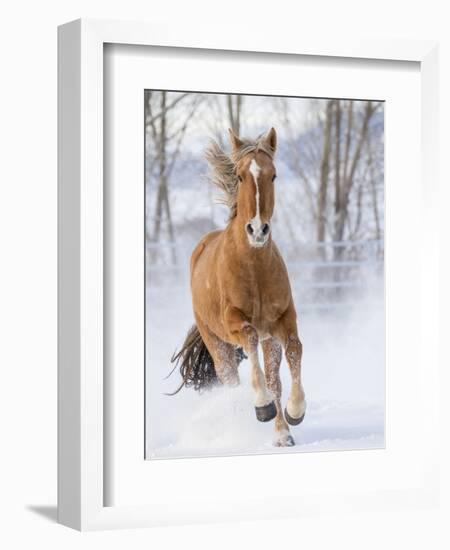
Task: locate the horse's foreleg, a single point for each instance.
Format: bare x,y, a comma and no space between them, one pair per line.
272,360
264,405
296,405
247,337
287,332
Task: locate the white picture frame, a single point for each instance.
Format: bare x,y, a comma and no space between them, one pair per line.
82,484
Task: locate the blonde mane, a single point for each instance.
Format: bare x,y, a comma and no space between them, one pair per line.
222,168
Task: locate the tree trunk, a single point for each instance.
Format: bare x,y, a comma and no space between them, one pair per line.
337,271
337,157
349,175
162,199
162,182
373,189
234,105
324,173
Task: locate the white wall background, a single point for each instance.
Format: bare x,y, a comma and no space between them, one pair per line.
28,266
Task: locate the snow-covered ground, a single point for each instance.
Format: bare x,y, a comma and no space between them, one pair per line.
343,376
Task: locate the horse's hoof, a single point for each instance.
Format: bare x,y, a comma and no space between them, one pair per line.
266,412
293,421
285,441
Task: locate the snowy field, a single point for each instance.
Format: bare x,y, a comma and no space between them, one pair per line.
343,376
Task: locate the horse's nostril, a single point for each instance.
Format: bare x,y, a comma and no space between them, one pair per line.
249,228
265,228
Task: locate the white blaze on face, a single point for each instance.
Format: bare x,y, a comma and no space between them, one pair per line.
255,171
257,231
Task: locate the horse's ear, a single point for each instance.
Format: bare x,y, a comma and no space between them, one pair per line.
270,140
236,142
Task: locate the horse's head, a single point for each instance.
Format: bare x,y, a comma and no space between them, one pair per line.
255,197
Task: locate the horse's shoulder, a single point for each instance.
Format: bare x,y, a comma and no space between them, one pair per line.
211,236
202,244
277,257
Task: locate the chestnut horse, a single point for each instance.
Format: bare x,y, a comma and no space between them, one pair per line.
241,293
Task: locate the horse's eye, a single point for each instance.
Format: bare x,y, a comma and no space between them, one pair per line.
274,177
239,178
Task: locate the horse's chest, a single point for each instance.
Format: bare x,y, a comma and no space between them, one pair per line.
261,303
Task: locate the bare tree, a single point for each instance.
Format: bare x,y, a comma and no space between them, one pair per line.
337,156
324,174
234,106
373,188
336,170
162,201
165,137
347,177
303,160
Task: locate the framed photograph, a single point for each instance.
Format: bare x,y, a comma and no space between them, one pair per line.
245,314
297,241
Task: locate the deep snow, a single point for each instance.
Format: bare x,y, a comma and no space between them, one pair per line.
343,376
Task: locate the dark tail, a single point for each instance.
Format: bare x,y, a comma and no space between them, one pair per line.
196,364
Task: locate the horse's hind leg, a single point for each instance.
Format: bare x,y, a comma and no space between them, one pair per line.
272,361
223,354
